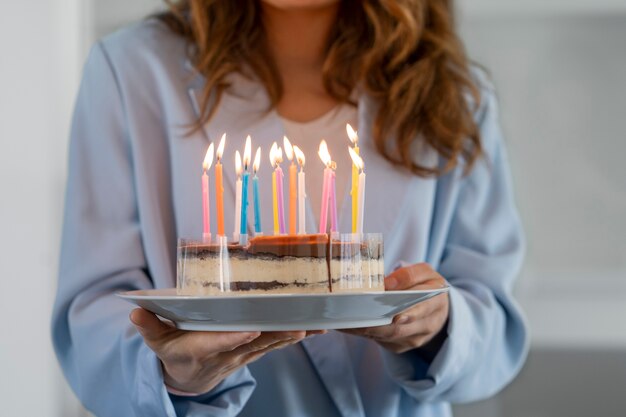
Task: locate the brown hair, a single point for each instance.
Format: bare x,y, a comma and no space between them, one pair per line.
405,53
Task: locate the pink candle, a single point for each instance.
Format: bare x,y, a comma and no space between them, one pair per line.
328,193
206,216
279,195
333,202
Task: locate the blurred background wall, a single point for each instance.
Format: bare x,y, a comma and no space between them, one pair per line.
560,70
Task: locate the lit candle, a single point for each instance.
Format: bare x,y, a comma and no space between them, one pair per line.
247,154
206,215
354,138
219,186
358,162
255,192
293,172
237,197
301,191
333,202
279,191
273,154
328,189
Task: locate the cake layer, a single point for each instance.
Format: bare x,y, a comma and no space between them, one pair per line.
284,272
238,287
362,273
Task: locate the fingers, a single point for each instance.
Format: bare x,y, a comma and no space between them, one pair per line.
229,341
160,336
420,319
413,277
268,339
153,330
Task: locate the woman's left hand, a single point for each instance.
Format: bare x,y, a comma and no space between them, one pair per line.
419,325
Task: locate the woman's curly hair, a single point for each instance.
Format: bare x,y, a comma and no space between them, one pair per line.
404,53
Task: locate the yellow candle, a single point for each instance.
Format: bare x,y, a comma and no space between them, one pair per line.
354,192
273,151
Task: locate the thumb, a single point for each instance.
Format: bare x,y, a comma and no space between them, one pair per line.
148,324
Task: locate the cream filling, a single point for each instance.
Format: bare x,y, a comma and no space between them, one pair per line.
304,271
357,274
210,276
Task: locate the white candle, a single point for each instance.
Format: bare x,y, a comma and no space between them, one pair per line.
301,192
206,210
239,187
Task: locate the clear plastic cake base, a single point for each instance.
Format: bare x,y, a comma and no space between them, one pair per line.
290,264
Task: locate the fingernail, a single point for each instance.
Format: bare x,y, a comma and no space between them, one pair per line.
402,320
391,283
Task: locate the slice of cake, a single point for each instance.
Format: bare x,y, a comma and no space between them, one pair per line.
206,269
357,266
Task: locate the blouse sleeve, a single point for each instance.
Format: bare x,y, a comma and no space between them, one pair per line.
102,356
487,339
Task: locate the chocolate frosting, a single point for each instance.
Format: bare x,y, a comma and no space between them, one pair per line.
312,246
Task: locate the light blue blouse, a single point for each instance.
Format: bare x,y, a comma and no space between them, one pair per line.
133,188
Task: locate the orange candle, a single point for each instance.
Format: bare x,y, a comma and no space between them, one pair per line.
219,187
293,194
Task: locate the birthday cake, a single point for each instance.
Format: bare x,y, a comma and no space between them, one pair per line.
281,264
287,262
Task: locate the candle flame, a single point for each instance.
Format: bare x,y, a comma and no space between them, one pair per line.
257,160
299,156
208,158
220,148
247,153
324,154
273,151
356,159
288,148
238,164
354,138
276,155
279,155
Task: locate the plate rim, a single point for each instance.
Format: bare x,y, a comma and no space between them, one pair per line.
130,295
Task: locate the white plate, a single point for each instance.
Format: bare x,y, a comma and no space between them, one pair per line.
278,311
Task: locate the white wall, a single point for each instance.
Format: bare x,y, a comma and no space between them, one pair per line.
39,72
560,80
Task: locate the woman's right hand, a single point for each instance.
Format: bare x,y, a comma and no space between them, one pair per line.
196,362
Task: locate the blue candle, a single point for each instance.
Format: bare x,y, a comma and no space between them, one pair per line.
244,204
257,207
243,230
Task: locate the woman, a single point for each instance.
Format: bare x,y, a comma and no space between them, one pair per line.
438,188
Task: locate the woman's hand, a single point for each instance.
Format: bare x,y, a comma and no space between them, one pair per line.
196,362
420,326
